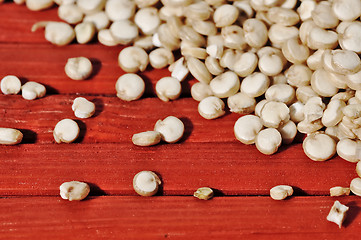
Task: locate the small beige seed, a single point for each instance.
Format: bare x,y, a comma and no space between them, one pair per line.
245,64
148,138
313,109
288,132
10,84
358,165
198,10
19,2
147,20
278,33
286,17
296,112
120,9
346,10
345,61
333,113
281,93
255,84
106,38
225,15
229,58
255,32
225,84
179,69
130,87
259,107
145,3
319,38
268,141
323,15
319,146
233,37
339,191
304,93
298,75
294,51
270,64
146,183
168,88
161,58
309,127
70,13
204,193
305,9
133,59
9,136
145,42
315,61
321,84
281,192
350,39
241,103
84,32
211,107
66,131
124,31
188,35
99,19
32,90
214,66
91,6
164,37
171,129
274,114
78,68
200,91
348,149
83,108
74,190
355,186
58,33
246,128
38,5
337,213
198,69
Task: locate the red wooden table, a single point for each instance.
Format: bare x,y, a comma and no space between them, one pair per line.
104,157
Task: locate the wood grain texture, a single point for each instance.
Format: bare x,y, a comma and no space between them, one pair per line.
104,157
16,22
176,218
44,63
208,154
231,168
114,120
29,56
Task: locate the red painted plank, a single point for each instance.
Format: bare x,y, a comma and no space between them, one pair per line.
114,121
176,218
29,56
16,22
44,63
232,168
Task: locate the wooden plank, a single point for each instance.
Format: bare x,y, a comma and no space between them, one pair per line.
36,59
44,63
16,22
176,218
231,168
114,120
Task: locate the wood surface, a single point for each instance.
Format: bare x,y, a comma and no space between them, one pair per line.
104,157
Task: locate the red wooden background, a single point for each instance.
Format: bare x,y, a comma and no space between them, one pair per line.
104,157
